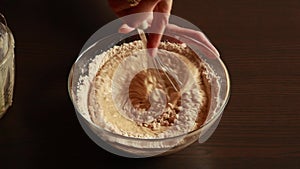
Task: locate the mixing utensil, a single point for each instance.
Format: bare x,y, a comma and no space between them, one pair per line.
156,61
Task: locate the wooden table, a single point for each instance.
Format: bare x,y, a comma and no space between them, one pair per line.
259,41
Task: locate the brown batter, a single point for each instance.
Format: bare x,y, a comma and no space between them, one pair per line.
182,111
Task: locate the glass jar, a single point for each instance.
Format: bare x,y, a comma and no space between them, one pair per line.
7,67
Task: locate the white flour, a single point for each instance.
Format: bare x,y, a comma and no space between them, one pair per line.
105,96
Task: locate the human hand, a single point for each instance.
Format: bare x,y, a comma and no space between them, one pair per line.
155,12
194,37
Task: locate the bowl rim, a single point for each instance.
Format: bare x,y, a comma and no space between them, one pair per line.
207,122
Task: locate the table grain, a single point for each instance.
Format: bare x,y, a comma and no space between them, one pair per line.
259,41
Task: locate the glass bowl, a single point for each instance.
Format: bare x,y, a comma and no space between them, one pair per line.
142,147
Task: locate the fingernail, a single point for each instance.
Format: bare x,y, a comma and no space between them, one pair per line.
122,30
216,52
125,29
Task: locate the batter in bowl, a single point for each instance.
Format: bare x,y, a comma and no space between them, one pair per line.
131,97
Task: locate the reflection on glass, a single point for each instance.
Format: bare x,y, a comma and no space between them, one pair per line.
7,67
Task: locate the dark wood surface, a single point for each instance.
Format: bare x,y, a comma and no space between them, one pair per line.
259,41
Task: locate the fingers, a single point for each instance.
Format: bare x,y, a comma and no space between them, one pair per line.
125,29
157,12
196,35
164,6
142,12
160,20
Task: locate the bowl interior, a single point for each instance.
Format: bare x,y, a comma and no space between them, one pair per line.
81,69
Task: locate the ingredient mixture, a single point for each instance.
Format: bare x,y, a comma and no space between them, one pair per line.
130,96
